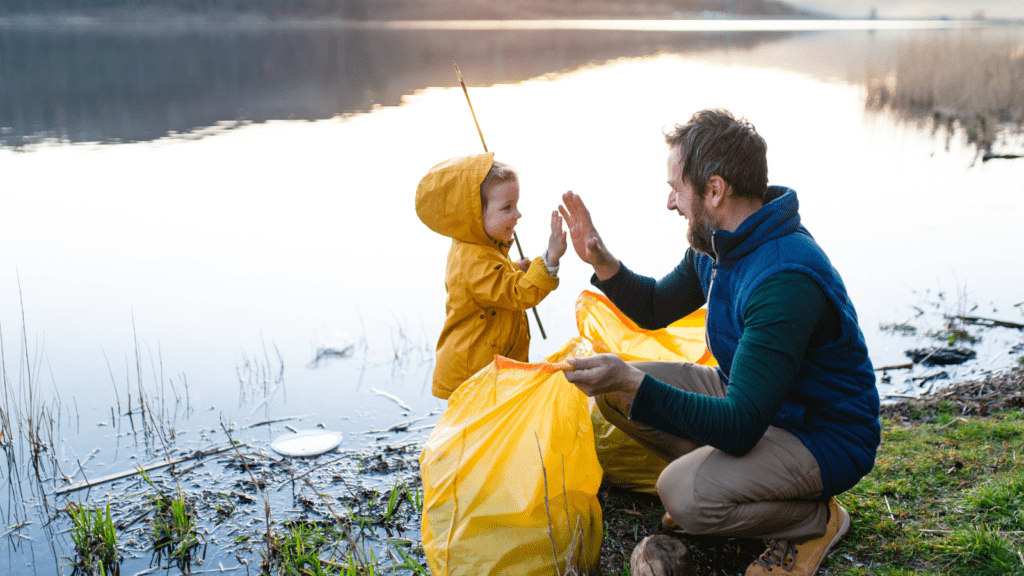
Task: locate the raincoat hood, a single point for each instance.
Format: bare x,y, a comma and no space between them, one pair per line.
448,199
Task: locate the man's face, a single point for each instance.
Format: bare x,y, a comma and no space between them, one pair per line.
683,199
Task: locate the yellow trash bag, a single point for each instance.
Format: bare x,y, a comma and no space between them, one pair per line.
682,341
625,462
510,459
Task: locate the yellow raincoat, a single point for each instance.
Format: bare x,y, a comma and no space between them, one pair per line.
488,293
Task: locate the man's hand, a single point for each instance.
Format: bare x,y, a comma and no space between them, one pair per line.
585,239
602,374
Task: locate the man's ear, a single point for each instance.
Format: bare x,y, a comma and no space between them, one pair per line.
716,190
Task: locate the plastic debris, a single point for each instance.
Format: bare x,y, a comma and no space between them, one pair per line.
305,443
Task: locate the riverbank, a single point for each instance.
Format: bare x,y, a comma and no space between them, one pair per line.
945,497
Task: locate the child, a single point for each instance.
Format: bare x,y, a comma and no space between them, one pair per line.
473,200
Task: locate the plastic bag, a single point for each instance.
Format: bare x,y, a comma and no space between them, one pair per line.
682,341
510,459
625,462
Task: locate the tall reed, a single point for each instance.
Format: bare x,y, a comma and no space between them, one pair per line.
964,78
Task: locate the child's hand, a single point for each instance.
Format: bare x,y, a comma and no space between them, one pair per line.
556,243
524,264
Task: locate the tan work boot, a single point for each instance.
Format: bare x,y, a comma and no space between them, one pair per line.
785,557
668,524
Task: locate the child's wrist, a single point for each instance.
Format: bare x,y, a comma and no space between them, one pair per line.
551,266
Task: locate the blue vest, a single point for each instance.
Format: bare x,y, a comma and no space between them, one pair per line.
833,405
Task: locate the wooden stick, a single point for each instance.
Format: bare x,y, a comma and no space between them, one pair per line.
895,367
119,475
515,237
988,322
471,111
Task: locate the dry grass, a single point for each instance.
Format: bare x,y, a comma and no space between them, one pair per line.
959,79
528,9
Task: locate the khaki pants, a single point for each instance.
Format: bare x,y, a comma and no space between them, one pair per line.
770,492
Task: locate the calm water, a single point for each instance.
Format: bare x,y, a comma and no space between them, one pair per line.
200,210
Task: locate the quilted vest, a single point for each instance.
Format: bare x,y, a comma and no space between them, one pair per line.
833,405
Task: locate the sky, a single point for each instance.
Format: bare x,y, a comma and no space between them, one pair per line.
918,8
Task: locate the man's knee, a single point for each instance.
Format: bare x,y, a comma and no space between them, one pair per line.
614,406
681,494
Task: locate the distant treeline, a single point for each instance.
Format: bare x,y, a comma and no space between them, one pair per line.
418,9
123,87
348,8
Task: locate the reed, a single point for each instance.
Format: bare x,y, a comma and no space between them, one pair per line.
573,565
960,80
95,540
175,534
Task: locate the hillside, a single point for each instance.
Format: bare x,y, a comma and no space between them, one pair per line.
424,9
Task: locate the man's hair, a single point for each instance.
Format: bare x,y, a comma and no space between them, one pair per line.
716,143
499,172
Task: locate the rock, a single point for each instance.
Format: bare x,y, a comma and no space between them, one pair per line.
940,356
661,555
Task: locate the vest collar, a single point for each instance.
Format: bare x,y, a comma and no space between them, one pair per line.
776,218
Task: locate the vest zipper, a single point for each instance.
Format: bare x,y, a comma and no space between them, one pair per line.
711,287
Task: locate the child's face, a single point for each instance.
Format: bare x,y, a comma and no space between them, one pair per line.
502,212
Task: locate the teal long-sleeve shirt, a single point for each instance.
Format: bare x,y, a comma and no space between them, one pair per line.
784,316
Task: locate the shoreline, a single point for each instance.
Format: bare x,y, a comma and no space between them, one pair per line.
162,20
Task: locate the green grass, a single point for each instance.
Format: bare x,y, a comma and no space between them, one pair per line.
307,548
175,534
946,497
95,540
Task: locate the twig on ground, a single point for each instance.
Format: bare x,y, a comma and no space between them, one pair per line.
88,484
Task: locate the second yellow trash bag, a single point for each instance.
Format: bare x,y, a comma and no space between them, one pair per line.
624,461
682,341
512,457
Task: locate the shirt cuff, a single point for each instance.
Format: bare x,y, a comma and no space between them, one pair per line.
552,270
640,397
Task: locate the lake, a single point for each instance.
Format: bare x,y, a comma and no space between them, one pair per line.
190,211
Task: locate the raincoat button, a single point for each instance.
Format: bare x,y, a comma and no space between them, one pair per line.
481,316
494,312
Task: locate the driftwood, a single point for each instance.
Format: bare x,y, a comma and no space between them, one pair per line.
119,475
265,422
906,366
391,397
988,321
661,555
990,156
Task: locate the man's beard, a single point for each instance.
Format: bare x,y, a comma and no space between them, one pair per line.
701,228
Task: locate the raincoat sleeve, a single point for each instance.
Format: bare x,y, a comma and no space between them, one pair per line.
493,283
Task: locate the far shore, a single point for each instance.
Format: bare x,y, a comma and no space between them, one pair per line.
159,20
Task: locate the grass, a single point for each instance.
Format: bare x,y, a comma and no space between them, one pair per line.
95,540
956,80
946,496
299,548
175,535
320,549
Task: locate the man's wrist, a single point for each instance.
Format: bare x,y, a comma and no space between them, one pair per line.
606,271
636,378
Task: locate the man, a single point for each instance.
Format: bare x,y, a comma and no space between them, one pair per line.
759,446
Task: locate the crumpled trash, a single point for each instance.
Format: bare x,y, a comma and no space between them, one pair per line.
941,356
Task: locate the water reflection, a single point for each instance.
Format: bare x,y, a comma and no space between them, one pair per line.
229,261
113,87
